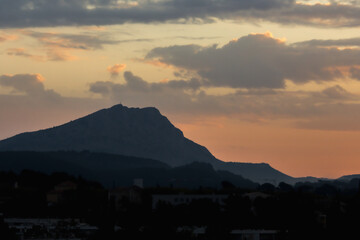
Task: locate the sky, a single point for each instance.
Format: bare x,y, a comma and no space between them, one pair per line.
274,81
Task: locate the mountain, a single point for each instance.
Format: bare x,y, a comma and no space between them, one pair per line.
110,169
349,177
117,130
138,132
257,172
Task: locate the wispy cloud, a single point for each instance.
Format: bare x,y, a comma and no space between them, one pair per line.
22,52
70,41
60,46
7,37
51,54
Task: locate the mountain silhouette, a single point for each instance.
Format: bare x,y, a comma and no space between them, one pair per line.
138,132
111,169
117,130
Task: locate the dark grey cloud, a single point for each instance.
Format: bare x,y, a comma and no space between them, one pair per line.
30,84
45,13
330,42
136,84
333,15
258,61
41,13
337,92
355,72
333,106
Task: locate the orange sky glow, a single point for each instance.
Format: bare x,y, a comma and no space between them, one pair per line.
275,83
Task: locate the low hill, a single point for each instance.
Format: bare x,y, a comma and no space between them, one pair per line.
110,169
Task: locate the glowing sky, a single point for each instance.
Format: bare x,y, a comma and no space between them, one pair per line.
273,81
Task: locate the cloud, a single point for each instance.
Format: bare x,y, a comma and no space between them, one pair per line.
48,13
21,52
259,61
40,13
52,54
348,42
58,47
329,15
136,84
301,109
7,37
337,92
70,41
355,72
114,70
30,84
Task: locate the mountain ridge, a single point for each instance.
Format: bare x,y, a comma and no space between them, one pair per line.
116,130
138,132
110,169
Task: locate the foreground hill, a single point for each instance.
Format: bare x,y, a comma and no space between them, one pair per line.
110,169
138,132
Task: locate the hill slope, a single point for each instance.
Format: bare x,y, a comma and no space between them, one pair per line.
110,169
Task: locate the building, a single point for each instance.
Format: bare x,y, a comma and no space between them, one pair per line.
119,197
56,195
254,234
178,199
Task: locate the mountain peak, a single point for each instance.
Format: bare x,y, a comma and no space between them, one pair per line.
121,107
118,107
136,132
146,110
139,132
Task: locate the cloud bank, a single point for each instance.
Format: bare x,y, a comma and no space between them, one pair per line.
261,61
334,106
45,13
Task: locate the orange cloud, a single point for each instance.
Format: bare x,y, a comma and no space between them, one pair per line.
59,46
21,52
116,69
7,37
268,34
94,28
156,63
52,54
58,54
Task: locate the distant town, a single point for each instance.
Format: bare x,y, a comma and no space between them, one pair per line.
35,205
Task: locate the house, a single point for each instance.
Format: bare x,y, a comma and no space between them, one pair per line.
57,194
254,234
119,197
178,199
